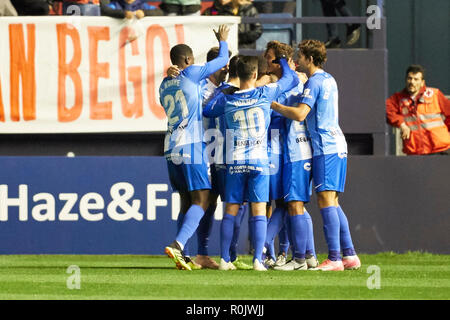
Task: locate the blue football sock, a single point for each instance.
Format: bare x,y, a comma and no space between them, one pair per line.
283,238
299,230
179,224
331,229
236,230
273,228
250,231
204,230
226,235
190,224
259,235
271,250
310,247
287,221
346,238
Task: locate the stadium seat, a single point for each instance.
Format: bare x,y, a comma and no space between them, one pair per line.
281,32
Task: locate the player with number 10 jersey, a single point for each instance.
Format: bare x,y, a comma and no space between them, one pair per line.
247,118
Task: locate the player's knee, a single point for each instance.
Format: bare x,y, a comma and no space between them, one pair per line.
280,203
212,200
200,198
326,199
185,202
295,208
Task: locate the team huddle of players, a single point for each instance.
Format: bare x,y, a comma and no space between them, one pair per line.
266,138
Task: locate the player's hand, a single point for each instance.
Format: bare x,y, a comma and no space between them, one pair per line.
277,59
139,14
173,71
129,15
405,131
222,33
291,63
302,76
263,80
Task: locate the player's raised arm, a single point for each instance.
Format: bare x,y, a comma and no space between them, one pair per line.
222,59
200,72
222,33
289,79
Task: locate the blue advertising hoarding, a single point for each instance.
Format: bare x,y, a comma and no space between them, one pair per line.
91,205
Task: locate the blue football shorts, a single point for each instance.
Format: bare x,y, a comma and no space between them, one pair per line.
276,176
247,183
297,184
329,171
187,173
218,178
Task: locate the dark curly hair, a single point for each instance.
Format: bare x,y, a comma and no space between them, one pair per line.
280,49
315,49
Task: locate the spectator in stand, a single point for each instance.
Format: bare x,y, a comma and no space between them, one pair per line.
7,9
422,114
76,7
129,9
31,7
248,33
329,8
181,7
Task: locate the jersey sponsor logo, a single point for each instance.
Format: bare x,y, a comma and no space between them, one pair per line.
301,139
240,169
336,132
342,155
247,143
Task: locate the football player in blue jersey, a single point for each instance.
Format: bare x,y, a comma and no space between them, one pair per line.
183,146
214,138
209,85
318,105
217,163
291,183
247,118
276,217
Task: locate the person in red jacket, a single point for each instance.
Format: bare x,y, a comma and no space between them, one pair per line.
422,114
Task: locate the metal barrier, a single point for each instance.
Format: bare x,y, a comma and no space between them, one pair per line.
377,37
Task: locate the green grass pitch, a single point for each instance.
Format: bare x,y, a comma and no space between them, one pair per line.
391,276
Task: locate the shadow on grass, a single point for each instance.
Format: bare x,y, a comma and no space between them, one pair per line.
90,267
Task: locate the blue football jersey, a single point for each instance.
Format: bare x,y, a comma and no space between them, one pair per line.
215,134
247,117
181,98
321,95
276,133
297,144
